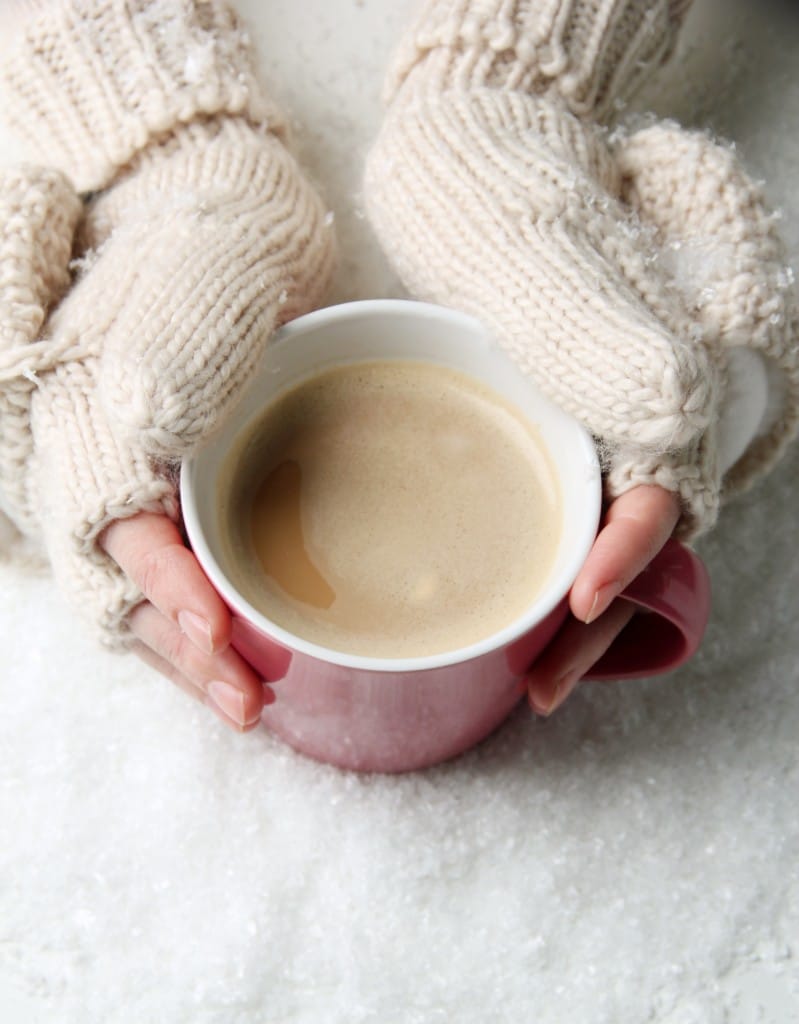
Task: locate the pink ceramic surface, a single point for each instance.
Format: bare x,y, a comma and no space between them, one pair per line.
393,715
674,590
387,720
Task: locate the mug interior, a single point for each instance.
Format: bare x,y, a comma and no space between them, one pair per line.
382,330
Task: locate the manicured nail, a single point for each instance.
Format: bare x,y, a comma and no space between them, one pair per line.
547,697
197,629
603,598
229,700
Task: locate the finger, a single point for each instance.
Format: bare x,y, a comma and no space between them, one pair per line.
162,666
571,654
149,549
225,677
637,526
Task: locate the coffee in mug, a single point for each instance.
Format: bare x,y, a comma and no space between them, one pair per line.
443,376
391,508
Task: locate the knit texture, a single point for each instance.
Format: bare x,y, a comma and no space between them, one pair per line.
63,475
92,82
130,321
725,256
493,191
591,54
39,211
231,241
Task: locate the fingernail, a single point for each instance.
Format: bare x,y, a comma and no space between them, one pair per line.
197,629
546,697
603,598
229,700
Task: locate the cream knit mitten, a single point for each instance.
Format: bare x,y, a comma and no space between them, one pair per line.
724,255
198,235
495,187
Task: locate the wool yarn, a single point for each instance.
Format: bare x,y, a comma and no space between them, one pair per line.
144,267
39,211
496,187
728,263
92,82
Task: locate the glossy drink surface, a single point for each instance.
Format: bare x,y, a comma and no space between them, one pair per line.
391,509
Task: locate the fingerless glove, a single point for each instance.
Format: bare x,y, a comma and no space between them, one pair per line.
495,186
170,233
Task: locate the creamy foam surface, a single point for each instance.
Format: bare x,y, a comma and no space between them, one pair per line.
392,509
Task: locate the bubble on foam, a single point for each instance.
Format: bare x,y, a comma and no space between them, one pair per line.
425,588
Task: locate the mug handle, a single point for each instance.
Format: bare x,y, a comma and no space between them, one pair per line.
673,599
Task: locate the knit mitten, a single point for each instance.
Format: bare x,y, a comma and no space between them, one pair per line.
38,212
720,245
63,474
495,188
197,237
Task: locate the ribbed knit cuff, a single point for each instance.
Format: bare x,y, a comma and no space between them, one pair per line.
691,474
38,213
99,592
592,52
90,82
83,478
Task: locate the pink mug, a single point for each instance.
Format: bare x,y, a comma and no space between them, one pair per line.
393,715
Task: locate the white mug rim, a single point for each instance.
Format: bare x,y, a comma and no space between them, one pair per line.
544,604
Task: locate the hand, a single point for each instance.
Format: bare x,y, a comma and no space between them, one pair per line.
182,628
199,236
615,268
636,527
130,320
